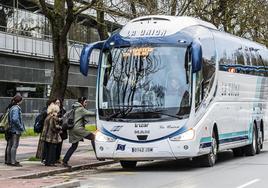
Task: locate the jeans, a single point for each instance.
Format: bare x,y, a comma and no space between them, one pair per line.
74,146
7,137
12,147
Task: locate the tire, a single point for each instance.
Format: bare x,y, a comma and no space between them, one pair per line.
251,149
262,138
128,164
209,160
259,142
238,152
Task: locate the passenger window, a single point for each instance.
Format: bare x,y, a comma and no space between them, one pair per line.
208,66
239,56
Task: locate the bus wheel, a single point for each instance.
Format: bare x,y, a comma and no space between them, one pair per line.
262,137
209,160
128,164
251,149
259,142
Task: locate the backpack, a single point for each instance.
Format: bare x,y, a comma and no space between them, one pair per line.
4,122
68,120
39,122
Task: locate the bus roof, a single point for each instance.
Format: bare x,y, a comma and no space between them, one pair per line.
159,25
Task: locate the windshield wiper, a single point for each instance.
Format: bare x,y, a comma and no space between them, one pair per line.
114,115
120,112
135,106
170,115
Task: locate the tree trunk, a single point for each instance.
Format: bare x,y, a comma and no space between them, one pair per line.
101,26
61,62
173,7
3,20
40,147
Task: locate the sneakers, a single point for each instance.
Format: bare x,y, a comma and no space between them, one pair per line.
66,165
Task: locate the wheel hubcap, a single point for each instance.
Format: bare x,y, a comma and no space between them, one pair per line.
213,152
254,141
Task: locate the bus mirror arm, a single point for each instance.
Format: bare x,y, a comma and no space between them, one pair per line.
202,89
85,56
196,50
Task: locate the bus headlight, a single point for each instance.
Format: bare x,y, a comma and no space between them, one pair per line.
100,137
187,135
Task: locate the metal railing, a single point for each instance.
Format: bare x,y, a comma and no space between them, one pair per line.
40,46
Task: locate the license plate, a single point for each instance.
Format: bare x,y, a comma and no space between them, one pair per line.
141,149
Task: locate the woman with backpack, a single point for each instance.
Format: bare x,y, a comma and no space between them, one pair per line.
16,129
78,132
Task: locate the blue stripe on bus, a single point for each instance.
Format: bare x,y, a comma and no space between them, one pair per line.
205,145
232,134
234,139
108,133
225,138
244,68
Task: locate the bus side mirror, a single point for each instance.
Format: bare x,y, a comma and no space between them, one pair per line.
85,56
196,56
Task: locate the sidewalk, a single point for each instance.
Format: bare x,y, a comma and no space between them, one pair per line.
83,158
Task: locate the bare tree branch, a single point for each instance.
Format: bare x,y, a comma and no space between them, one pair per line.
84,7
69,18
43,6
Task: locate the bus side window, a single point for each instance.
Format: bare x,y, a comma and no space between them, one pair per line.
208,65
199,93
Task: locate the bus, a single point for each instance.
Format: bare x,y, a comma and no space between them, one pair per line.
176,87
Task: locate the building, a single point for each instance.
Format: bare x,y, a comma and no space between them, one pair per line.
26,58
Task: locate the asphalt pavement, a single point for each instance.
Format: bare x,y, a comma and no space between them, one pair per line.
229,172
32,171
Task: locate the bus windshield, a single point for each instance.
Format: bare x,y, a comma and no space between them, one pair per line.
144,82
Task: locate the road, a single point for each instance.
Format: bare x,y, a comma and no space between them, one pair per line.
231,172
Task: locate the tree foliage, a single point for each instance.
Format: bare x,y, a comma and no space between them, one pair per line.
245,18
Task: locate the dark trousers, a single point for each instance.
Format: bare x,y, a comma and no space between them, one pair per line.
43,150
50,153
58,151
74,146
12,146
7,137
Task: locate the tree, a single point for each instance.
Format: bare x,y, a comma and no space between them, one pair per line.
61,18
244,18
5,13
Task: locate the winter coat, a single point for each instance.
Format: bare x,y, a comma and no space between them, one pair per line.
51,130
15,120
78,132
63,134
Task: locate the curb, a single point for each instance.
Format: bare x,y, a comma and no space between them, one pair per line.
63,170
70,184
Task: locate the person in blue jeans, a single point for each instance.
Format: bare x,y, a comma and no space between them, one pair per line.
16,129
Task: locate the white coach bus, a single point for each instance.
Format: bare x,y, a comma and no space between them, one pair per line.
176,87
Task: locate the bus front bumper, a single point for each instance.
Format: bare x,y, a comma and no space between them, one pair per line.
163,149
